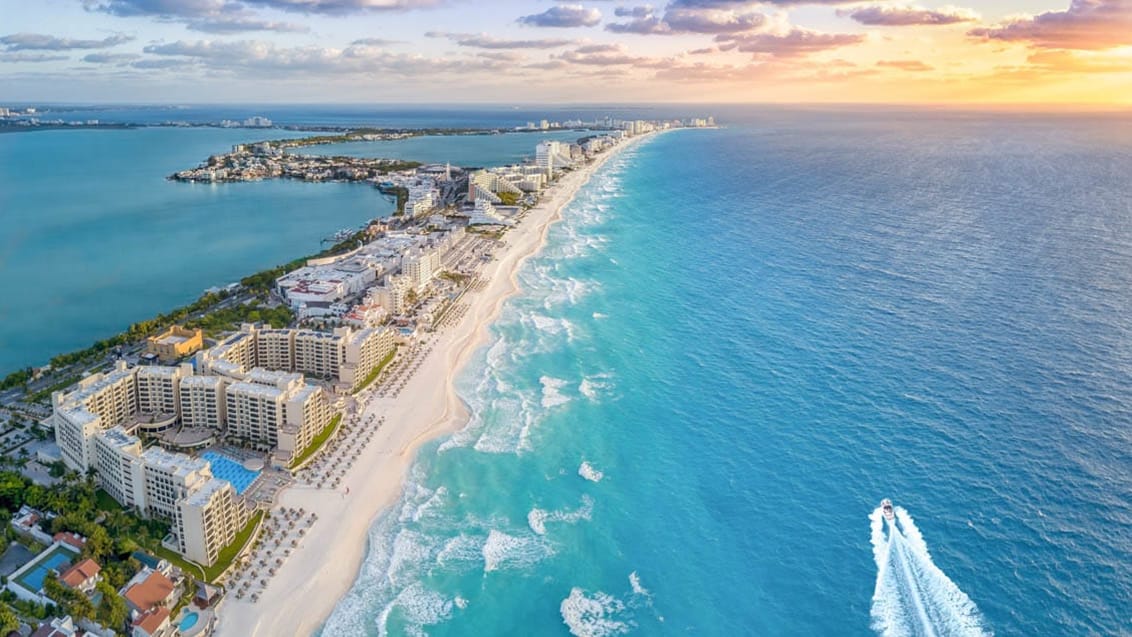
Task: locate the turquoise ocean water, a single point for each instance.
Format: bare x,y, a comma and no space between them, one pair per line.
94,237
738,341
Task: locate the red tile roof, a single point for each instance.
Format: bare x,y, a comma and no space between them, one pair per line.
151,621
153,591
81,572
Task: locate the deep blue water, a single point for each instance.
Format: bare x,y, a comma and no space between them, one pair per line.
756,333
94,237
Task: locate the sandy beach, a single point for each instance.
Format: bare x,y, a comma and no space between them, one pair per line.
305,589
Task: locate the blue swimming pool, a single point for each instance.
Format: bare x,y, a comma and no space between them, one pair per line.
188,621
53,561
231,470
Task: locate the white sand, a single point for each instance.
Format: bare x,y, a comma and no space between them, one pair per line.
303,592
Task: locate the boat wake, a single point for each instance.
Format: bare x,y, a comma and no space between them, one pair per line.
913,597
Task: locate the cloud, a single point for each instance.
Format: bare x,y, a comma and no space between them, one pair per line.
257,58
889,16
567,15
165,8
163,64
679,18
905,65
485,41
22,56
203,8
642,11
233,24
796,42
40,42
1085,25
110,58
373,42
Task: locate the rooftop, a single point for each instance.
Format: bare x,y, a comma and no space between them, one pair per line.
150,592
81,572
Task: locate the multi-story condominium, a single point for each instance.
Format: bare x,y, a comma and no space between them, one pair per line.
551,156
117,459
210,519
393,297
205,512
320,354
159,388
364,351
317,353
99,401
275,349
420,266
255,412
203,401
236,355
306,413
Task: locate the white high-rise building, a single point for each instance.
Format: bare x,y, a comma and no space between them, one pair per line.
203,402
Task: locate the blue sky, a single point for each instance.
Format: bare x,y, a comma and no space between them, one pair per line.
1035,51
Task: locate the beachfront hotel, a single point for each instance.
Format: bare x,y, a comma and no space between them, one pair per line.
204,511
345,356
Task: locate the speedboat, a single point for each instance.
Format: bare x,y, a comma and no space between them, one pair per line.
886,509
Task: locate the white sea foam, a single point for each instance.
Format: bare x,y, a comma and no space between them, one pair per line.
592,615
593,387
537,518
912,595
460,602
460,548
551,394
587,471
419,607
502,550
635,583
600,315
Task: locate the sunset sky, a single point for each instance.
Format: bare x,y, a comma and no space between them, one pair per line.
985,51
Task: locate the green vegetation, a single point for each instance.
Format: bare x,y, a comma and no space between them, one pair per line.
112,612
508,198
318,441
45,393
402,194
18,378
230,318
8,620
224,560
454,277
71,601
372,376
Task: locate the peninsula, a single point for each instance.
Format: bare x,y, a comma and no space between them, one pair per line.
225,446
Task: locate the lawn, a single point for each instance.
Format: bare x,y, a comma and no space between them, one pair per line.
318,441
223,561
376,371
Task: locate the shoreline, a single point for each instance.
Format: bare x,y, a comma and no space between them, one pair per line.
425,410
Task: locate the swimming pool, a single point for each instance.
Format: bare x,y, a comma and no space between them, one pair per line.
231,470
32,580
188,621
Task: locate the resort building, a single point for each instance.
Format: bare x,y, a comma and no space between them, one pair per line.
277,409
551,157
203,402
120,472
159,388
210,519
175,343
345,356
420,266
